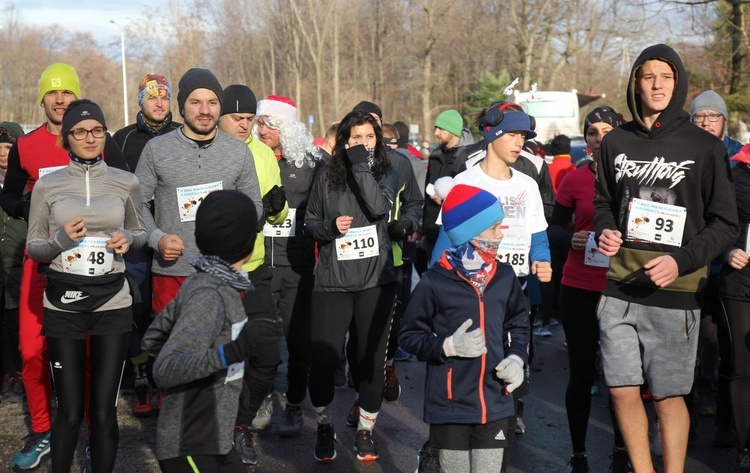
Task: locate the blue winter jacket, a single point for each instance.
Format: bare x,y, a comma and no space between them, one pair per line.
465,390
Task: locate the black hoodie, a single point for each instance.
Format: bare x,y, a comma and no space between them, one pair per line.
671,163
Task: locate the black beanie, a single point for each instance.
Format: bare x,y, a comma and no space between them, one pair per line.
78,111
601,114
10,131
226,225
239,99
369,107
403,134
560,145
197,78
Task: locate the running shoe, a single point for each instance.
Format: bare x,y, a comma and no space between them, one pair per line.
364,445
143,405
325,447
35,448
428,460
352,420
291,424
578,464
743,461
392,388
244,443
263,417
401,355
542,331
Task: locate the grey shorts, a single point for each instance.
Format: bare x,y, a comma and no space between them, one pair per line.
637,339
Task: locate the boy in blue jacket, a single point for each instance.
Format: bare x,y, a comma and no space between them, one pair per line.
470,374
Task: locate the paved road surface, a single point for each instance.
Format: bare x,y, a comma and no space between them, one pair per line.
400,432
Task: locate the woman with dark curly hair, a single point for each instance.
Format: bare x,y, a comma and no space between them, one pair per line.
347,215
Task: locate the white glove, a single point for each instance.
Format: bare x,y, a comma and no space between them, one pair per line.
463,344
511,370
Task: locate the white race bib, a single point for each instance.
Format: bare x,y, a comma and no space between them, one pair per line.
358,243
236,370
189,198
45,171
655,222
516,255
285,229
90,257
591,255
515,246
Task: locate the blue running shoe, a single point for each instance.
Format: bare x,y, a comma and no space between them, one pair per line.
36,447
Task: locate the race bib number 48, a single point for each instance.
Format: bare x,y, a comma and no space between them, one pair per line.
358,243
90,257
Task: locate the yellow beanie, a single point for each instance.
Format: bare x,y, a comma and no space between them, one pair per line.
59,76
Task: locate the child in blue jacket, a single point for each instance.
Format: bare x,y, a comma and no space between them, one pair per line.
470,373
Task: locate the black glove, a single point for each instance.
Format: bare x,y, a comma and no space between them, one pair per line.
254,333
357,154
274,200
398,230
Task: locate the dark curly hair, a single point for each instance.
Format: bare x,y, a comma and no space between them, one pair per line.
339,167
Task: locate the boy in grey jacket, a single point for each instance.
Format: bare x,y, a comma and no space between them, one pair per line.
201,340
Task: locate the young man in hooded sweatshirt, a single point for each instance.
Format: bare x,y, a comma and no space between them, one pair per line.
664,210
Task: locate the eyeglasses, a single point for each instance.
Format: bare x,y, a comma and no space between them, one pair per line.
712,117
80,134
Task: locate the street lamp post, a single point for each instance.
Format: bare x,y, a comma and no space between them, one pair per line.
124,74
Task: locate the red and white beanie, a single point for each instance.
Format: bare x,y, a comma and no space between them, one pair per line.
277,106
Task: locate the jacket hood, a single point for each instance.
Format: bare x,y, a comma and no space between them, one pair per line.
466,138
673,116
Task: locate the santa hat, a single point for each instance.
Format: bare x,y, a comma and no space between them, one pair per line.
276,106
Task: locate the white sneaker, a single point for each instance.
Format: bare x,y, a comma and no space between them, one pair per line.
263,417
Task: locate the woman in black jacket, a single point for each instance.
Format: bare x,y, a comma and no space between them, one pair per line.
347,214
735,297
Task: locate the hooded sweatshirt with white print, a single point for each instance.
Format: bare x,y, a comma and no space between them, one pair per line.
653,183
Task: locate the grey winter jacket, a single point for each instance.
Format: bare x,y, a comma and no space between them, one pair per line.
173,161
200,406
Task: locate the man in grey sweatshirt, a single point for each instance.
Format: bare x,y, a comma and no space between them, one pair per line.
178,170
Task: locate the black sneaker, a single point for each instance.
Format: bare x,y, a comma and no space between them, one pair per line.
578,464
291,425
244,443
352,420
428,460
325,448
620,462
364,445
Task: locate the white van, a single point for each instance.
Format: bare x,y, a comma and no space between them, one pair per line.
556,113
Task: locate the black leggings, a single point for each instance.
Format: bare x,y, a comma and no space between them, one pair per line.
367,316
738,316
67,359
578,314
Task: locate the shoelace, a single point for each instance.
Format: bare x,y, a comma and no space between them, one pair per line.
745,460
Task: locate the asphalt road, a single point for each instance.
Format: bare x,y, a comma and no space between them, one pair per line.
400,431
